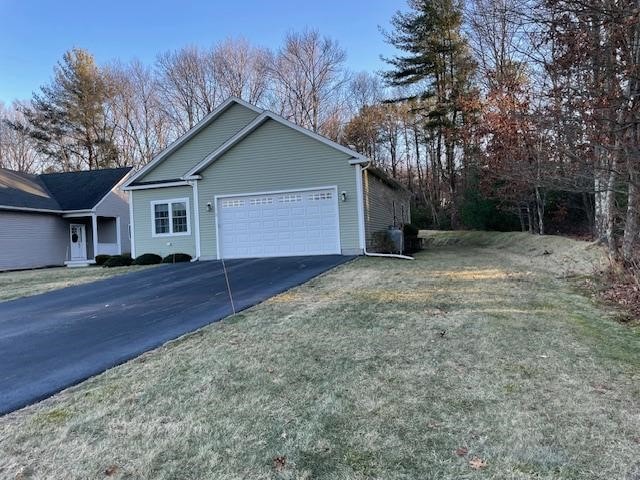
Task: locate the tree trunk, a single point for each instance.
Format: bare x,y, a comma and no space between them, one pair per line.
631,226
540,211
610,212
530,219
521,218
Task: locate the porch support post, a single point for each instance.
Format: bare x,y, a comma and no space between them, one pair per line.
94,226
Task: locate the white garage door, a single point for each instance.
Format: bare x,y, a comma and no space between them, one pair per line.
279,224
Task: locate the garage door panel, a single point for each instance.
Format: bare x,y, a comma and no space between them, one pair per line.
292,223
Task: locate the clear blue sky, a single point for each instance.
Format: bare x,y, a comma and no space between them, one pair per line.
35,33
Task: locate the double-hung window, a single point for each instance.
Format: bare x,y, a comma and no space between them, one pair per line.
170,217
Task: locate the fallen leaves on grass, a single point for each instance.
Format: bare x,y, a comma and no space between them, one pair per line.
477,463
24,473
279,463
461,451
600,388
111,470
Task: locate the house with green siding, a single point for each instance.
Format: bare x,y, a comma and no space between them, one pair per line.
245,182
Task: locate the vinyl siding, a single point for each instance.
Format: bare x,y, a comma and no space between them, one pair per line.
30,240
144,241
231,121
275,157
383,207
116,204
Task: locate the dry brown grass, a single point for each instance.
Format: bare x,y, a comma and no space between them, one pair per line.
32,282
467,356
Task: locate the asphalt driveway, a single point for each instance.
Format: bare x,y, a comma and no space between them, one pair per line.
51,341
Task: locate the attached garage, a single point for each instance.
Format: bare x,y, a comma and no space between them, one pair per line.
259,186
279,224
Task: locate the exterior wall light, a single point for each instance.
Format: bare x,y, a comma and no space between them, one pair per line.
344,196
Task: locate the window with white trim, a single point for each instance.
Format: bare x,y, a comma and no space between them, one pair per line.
320,196
261,201
170,217
232,203
290,198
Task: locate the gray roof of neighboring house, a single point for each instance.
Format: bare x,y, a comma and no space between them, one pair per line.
57,191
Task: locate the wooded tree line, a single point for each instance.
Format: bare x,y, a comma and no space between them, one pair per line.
494,113
92,116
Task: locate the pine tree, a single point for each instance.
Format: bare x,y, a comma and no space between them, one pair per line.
67,119
436,59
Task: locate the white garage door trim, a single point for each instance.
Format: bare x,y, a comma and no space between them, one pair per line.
333,188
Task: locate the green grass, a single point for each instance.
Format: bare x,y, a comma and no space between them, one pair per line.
31,282
378,369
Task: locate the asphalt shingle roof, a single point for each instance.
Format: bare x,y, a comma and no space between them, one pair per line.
57,191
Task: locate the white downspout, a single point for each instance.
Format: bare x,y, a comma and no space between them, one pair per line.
364,243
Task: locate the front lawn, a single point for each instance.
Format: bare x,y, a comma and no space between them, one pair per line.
477,360
31,282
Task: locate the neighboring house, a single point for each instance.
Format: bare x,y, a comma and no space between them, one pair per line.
62,218
245,182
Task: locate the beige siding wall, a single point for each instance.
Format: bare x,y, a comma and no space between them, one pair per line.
275,157
29,240
383,206
145,242
116,204
206,141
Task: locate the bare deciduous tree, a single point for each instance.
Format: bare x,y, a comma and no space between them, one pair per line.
142,128
308,78
241,70
188,86
17,151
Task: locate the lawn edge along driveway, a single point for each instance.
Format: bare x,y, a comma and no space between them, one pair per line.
52,341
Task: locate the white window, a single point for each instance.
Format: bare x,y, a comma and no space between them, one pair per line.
232,203
290,198
170,217
261,201
320,196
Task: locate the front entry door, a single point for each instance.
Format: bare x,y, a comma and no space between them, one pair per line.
78,242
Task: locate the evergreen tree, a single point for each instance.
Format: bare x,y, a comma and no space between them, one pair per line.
436,58
68,120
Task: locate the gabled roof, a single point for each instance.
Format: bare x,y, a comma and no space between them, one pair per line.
197,128
58,192
266,115
24,190
263,116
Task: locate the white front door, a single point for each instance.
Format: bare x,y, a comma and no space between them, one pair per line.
78,241
279,224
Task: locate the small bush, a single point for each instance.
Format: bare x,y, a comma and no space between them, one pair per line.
176,258
117,261
147,259
100,259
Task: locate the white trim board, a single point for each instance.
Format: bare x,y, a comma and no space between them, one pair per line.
181,183
131,226
224,106
196,216
212,157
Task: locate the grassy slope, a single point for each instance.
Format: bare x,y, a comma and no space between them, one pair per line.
31,282
349,377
